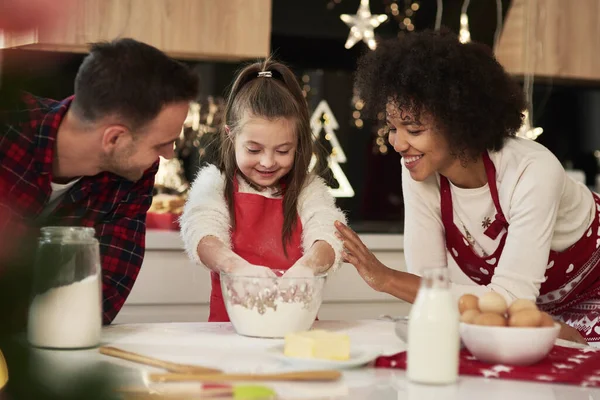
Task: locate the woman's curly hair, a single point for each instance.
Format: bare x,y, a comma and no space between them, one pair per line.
474,103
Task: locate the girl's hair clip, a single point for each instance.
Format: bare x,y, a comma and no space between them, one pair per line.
265,74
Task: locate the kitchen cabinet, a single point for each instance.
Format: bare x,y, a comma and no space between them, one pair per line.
186,29
554,39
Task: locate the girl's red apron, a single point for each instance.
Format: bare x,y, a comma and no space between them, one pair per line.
571,291
257,239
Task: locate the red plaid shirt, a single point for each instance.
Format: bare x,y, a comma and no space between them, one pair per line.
114,206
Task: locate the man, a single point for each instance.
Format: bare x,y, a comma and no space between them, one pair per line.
90,160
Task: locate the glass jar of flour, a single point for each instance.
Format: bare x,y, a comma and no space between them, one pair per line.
66,308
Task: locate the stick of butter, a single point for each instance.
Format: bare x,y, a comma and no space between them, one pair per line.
318,344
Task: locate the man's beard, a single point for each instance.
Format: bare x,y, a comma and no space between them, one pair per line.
118,164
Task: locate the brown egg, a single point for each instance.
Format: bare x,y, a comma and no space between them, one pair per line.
467,302
520,305
492,302
547,320
490,319
469,316
525,318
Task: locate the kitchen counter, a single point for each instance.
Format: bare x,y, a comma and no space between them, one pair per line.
171,288
217,345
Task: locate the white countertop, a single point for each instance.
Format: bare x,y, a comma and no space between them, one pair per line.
216,344
157,239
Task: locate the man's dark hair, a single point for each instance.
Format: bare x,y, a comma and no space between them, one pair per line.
132,80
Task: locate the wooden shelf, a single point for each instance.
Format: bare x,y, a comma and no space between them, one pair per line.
552,39
190,29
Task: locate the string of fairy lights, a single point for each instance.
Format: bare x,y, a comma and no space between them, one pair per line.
306,88
204,116
401,11
363,23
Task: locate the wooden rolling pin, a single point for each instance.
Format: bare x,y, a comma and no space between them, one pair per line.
154,362
328,375
201,394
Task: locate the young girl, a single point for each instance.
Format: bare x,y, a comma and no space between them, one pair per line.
260,209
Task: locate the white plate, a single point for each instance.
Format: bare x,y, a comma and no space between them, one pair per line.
358,357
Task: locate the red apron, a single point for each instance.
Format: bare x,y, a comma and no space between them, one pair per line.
257,239
571,291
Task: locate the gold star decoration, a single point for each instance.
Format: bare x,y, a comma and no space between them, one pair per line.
362,25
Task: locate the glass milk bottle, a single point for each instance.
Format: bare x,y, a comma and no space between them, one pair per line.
66,308
433,337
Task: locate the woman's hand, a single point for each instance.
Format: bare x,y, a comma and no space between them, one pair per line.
571,334
356,253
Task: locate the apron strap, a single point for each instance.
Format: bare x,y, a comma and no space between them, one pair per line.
446,202
500,222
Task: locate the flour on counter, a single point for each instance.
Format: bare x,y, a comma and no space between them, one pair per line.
67,317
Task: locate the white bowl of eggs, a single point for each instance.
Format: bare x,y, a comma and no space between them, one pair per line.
495,333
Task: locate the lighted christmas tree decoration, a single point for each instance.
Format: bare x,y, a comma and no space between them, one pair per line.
322,119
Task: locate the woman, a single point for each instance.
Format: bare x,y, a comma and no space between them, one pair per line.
497,210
